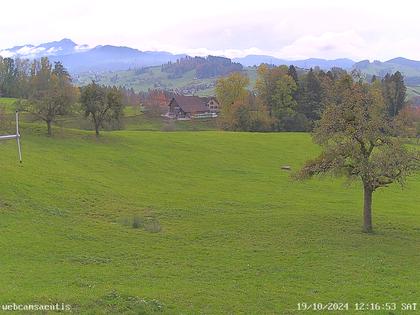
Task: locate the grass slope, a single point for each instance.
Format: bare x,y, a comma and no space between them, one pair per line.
238,236
382,68
413,91
154,78
8,104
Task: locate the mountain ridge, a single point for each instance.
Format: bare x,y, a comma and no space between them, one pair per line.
82,58
79,58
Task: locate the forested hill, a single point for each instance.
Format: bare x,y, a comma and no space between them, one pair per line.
409,68
187,77
208,67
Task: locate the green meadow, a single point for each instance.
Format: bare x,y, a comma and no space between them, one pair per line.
7,104
155,78
145,222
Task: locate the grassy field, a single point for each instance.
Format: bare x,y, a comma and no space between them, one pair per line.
154,78
222,229
140,122
413,91
134,119
7,104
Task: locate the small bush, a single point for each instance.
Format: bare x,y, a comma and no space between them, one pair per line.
148,223
137,222
152,225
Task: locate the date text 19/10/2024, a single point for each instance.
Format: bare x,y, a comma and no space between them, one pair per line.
336,306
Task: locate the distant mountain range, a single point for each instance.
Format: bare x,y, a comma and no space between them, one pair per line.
81,58
409,68
255,60
57,48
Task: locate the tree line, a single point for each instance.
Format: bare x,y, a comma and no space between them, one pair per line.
283,99
205,67
291,99
46,91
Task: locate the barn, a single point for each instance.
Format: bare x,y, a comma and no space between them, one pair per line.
183,107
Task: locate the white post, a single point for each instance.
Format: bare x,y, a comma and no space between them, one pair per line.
18,137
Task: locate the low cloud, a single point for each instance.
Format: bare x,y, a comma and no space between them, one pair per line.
81,48
328,45
7,54
230,53
29,51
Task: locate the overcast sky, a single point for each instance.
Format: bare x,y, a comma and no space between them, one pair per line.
286,29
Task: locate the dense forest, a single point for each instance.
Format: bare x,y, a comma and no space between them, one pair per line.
208,67
284,100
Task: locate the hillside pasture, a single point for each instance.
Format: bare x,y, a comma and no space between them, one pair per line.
141,80
194,223
8,104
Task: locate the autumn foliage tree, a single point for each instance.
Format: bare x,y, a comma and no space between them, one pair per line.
356,137
52,93
240,109
407,122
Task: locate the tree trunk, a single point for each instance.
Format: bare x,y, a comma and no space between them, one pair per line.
97,124
367,209
49,131
97,130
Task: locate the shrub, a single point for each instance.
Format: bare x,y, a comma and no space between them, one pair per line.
137,222
148,223
152,225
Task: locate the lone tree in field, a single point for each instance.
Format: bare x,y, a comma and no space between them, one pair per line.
51,92
102,104
355,135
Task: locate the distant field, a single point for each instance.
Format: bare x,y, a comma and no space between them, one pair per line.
154,78
133,119
382,69
139,121
7,103
237,236
413,91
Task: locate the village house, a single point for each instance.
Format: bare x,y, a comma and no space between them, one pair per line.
183,107
212,104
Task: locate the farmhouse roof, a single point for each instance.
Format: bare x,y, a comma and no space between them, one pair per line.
190,104
207,99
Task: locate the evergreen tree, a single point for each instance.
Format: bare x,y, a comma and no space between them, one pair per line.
8,77
394,93
310,101
293,73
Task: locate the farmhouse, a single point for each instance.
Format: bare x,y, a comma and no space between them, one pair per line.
212,104
186,107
